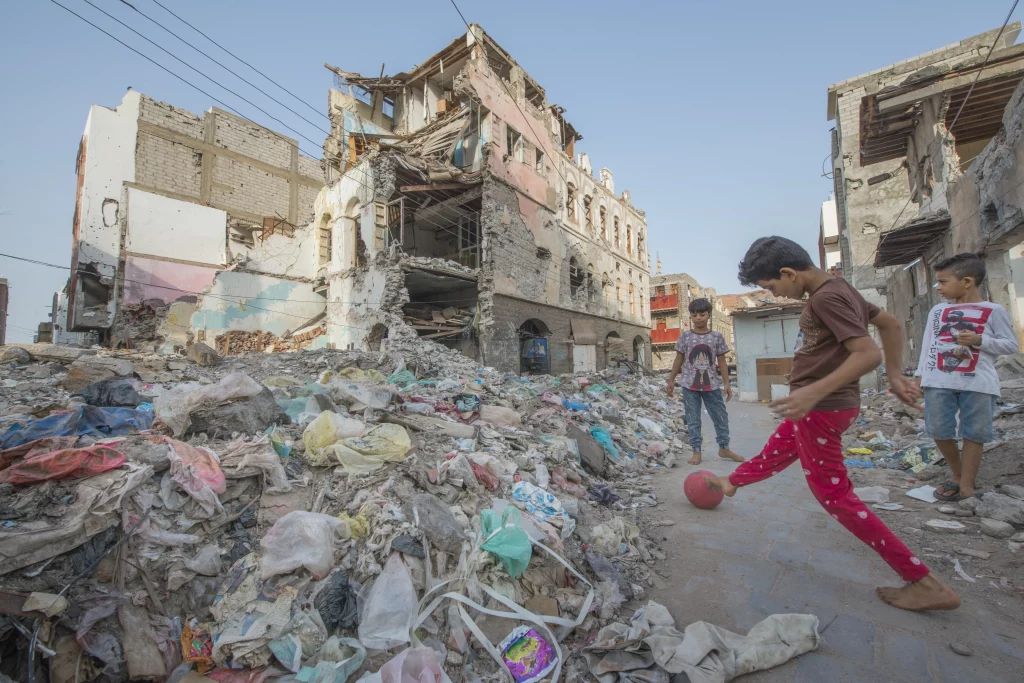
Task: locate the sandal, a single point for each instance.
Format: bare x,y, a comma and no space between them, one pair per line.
951,492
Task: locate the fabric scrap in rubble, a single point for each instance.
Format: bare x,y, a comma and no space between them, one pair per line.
649,648
98,423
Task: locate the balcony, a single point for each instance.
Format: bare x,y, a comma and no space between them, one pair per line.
665,302
666,336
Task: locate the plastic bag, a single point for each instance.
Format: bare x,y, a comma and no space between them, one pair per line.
110,393
299,539
360,396
485,477
385,441
390,607
336,601
173,408
500,416
505,539
197,471
528,656
604,437
99,423
207,561
651,427
614,536
414,665
402,378
351,462
328,429
543,476
70,463
336,661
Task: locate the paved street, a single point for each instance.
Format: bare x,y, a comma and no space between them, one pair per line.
771,549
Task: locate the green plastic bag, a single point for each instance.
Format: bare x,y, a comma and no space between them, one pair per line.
506,540
402,378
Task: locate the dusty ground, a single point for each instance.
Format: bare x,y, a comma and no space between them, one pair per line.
772,549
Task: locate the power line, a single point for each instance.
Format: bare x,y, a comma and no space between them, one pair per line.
156,2
161,66
949,129
230,71
220,85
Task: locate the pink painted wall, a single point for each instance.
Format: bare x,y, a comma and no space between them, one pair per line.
152,279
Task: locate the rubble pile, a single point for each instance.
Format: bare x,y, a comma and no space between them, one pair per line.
319,515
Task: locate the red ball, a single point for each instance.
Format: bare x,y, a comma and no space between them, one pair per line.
699,493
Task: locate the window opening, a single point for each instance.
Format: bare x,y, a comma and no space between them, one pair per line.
603,217
469,240
615,222
588,212
540,161
629,239
516,144
570,202
575,277
325,238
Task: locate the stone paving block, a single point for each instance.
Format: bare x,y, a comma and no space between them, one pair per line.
748,572
790,554
904,655
839,565
956,669
850,638
777,530
816,667
1003,636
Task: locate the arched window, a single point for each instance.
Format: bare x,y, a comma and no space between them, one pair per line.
629,239
326,242
615,232
588,213
570,203
618,296
641,248
603,218
632,301
575,276
591,286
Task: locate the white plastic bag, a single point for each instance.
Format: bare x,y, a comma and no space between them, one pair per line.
300,539
173,408
390,607
542,475
500,416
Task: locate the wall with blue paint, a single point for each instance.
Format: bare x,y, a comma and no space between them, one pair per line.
249,302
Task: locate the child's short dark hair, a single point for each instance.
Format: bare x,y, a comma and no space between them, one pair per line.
700,306
964,265
768,256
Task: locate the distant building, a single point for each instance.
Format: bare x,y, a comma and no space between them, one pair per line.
3,311
670,315
829,255
766,339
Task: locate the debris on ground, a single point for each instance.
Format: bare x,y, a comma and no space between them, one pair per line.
320,515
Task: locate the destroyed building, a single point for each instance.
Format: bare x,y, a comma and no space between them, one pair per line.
186,228
894,149
670,315
458,209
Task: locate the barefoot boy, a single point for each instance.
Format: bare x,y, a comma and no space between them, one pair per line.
957,369
696,354
824,401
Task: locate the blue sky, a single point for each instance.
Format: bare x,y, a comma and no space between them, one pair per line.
711,113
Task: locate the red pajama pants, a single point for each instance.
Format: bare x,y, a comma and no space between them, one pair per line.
816,441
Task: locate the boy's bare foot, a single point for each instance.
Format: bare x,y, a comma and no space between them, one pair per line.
928,593
695,460
722,484
728,454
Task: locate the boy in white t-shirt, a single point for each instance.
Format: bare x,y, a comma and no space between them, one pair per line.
957,371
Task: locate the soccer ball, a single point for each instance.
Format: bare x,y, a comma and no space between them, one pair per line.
699,493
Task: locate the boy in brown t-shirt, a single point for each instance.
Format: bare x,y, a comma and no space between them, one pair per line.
824,402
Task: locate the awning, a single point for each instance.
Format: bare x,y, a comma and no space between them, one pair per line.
583,331
901,246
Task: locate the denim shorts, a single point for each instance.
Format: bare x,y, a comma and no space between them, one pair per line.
975,409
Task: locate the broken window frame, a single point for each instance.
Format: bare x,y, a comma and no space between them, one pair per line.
469,240
516,144
570,202
615,232
632,300
325,239
629,239
576,277
539,166
602,215
588,212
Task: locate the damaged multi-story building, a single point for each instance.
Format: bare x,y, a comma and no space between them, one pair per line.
459,209
905,147
451,204
186,228
671,295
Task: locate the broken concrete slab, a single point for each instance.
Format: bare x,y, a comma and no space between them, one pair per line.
244,416
51,352
1003,508
15,354
591,453
91,369
201,354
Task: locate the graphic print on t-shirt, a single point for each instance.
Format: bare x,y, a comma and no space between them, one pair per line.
700,358
952,321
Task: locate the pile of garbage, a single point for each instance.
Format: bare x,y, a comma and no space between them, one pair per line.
319,515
